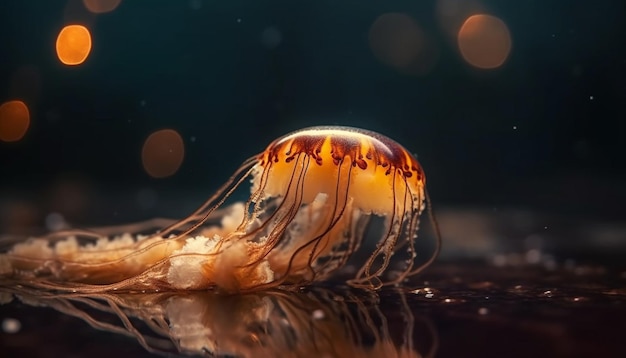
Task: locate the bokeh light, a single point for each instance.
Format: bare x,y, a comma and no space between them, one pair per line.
55,222
101,6
14,120
163,153
73,44
271,37
11,325
484,41
398,41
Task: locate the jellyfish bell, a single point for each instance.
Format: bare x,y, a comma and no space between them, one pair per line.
367,159
313,192
342,173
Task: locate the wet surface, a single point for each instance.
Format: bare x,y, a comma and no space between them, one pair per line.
517,312
461,309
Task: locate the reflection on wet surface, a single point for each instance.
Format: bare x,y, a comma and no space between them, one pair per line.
463,309
308,323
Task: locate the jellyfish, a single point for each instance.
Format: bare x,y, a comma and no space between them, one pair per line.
314,193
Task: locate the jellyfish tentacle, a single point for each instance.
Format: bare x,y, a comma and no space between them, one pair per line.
364,274
215,201
410,235
438,238
334,215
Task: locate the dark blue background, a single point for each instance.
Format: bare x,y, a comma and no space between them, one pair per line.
169,64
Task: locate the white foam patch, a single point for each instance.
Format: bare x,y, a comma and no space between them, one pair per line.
42,249
231,221
33,248
198,264
185,270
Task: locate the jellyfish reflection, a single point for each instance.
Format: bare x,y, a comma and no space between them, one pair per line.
311,323
313,193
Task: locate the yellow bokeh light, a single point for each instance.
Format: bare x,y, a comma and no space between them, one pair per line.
163,153
73,44
14,121
484,41
101,6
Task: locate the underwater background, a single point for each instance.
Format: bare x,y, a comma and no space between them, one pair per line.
516,110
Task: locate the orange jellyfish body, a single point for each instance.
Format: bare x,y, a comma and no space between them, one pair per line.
313,194
354,172
369,166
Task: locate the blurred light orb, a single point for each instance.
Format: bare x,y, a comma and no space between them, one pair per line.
73,44
101,6
14,120
163,153
11,325
396,39
484,41
55,221
271,37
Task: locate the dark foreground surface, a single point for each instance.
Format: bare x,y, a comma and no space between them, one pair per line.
462,310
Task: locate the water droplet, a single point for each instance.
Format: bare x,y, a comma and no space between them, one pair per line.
533,256
318,314
11,325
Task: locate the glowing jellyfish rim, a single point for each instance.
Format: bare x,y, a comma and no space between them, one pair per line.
313,194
